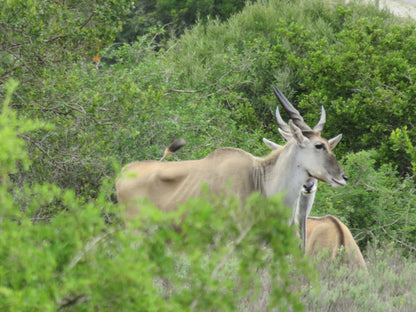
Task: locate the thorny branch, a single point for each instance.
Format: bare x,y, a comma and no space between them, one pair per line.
183,91
411,248
67,302
90,245
79,28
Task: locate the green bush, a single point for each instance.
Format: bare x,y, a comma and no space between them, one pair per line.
42,43
175,15
42,36
364,77
218,261
376,205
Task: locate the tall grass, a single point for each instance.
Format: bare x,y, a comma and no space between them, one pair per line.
388,286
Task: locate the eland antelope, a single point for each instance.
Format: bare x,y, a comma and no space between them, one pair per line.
329,233
235,171
305,200
307,195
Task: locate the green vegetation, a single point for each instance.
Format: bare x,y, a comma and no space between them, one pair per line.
76,107
388,286
174,16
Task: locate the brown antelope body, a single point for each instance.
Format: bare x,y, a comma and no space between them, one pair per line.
235,171
330,234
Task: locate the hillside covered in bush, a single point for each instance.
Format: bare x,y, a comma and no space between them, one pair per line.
82,96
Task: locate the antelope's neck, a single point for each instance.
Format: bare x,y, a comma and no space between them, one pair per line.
283,172
305,204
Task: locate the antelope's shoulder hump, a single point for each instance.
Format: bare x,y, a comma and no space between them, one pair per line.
229,152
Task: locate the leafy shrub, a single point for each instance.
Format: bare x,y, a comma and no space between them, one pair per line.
175,15
37,36
376,205
217,261
363,80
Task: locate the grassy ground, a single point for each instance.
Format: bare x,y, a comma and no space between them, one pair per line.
389,285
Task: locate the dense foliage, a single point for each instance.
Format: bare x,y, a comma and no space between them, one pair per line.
83,106
37,35
174,16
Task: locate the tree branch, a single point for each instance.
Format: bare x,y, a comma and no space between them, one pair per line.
79,28
411,248
89,246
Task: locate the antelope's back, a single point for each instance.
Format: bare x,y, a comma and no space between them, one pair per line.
168,184
132,180
330,233
323,233
154,180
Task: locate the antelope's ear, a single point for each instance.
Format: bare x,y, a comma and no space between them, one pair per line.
285,134
334,141
271,145
297,134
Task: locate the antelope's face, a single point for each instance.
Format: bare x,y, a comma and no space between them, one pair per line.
320,162
315,153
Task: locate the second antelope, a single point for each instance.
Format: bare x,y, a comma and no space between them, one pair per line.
330,234
235,171
326,233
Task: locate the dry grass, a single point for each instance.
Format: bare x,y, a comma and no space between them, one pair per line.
389,285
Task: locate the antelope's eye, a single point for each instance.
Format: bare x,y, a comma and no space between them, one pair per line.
320,146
